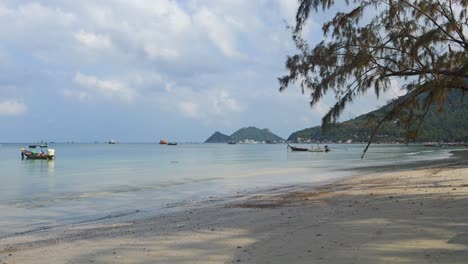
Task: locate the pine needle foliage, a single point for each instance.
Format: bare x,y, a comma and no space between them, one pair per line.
421,43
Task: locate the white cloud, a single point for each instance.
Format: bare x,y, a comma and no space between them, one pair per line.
189,109
93,40
154,52
110,89
34,23
159,29
4,10
208,104
197,59
168,86
218,31
81,96
222,102
12,107
144,78
288,10
36,16
177,19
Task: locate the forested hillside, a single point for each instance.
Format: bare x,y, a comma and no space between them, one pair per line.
450,125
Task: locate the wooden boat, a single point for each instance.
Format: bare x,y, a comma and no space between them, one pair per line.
433,144
42,155
316,150
319,150
297,148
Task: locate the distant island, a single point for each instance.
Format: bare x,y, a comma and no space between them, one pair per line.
450,125
246,135
218,137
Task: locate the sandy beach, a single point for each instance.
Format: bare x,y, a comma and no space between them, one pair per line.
412,216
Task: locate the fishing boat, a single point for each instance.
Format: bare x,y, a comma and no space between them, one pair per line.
433,144
163,142
318,149
41,155
297,148
172,143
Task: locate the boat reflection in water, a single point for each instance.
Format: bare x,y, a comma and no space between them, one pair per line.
42,168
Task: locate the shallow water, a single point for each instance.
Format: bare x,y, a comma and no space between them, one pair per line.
94,181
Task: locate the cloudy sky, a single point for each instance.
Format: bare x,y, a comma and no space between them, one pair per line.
141,70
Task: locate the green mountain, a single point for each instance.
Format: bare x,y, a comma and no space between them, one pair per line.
450,125
253,133
218,137
243,134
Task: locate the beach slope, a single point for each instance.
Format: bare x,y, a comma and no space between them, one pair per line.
412,216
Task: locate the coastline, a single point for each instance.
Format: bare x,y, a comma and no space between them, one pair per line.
409,216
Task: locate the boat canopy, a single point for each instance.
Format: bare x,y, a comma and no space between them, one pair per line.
35,146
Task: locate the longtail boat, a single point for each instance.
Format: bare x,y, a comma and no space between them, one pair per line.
41,155
318,149
297,148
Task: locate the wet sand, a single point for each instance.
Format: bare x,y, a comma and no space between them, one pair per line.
412,216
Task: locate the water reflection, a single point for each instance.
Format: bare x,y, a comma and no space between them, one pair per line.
41,168
51,168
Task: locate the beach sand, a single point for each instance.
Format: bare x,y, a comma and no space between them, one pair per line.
412,216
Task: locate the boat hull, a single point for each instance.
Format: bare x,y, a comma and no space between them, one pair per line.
36,156
297,149
316,150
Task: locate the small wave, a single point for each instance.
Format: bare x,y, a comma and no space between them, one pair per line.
51,199
176,204
41,226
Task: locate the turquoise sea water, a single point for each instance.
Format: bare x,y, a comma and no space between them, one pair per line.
93,181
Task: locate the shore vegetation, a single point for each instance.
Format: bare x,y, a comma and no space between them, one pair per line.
421,45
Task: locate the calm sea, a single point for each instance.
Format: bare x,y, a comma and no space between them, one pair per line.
94,181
